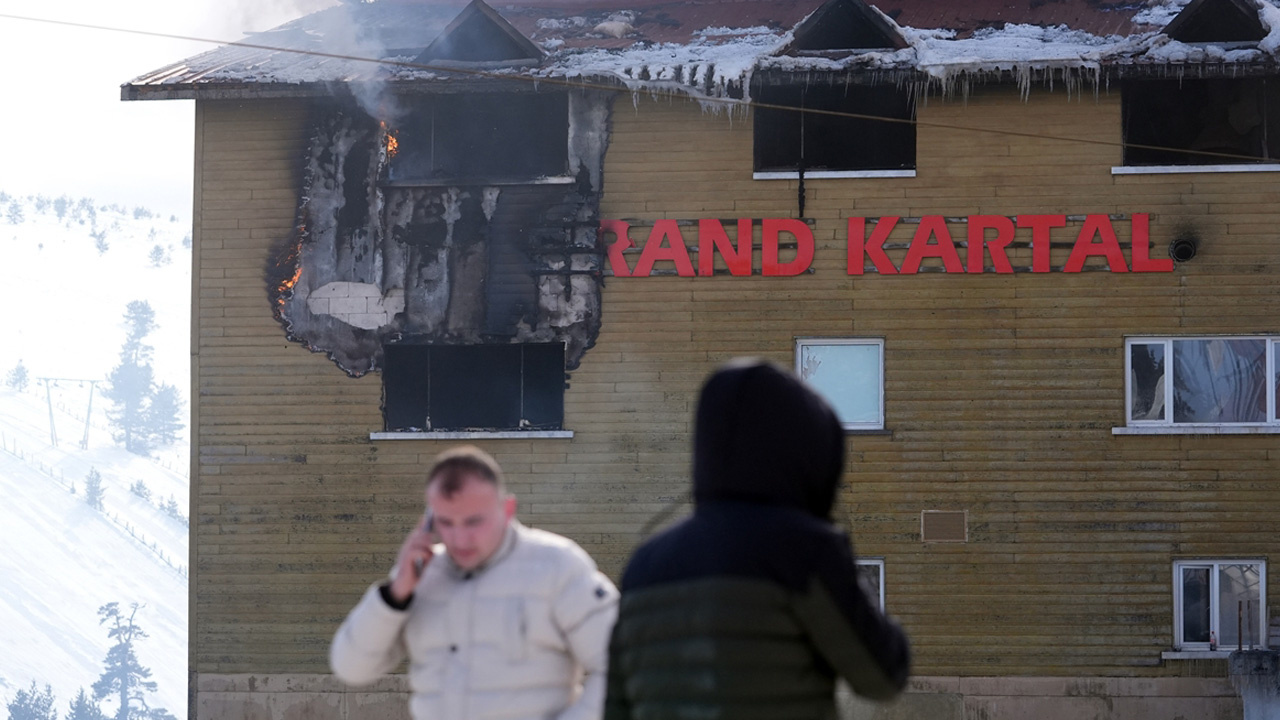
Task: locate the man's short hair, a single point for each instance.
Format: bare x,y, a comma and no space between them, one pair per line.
452,468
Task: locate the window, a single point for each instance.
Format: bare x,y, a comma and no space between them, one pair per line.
473,387
787,140
1238,119
482,138
849,373
1219,604
1198,381
871,576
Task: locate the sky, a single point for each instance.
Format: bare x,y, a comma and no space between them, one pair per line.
63,127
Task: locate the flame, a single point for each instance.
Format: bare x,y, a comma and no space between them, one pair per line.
290,261
392,144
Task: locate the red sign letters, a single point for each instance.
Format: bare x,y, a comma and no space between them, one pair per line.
987,238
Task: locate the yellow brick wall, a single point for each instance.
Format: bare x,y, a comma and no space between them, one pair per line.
1001,392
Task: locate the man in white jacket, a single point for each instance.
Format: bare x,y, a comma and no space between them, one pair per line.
512,623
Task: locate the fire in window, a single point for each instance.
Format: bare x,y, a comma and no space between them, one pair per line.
834,128
489,138
1201,122
518,386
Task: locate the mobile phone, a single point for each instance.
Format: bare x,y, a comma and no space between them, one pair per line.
428,526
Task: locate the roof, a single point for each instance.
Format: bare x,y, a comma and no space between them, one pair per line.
714,48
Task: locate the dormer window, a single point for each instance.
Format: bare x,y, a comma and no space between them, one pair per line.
480,35
1217,21
844,26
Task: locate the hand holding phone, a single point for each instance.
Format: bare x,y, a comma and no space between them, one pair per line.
415,555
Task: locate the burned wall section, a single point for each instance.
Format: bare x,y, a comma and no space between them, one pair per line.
464,260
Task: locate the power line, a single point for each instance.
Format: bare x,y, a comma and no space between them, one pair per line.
655,91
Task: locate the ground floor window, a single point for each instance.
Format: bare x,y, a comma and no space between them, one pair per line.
849,373
1201,380
871,576
1219,604
473,387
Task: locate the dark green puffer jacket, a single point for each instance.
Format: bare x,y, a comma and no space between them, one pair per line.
751,607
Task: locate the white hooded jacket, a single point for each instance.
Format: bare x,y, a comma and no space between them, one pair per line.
524,636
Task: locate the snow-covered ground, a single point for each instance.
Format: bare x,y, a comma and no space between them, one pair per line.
63,303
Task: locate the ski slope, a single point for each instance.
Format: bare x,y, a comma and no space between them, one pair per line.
60,560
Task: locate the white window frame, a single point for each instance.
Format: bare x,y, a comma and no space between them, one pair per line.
1271,423
878,564
1215,612
802,343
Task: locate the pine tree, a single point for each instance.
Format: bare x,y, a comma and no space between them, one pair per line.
129,385
82,708
140,489
93,491
17,378
100,240
163,414
124,677
33,704
157,256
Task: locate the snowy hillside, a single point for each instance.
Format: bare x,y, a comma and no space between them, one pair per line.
65,286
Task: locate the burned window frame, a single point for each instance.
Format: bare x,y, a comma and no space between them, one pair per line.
528,126
444,382
788,113
1161,144
1168,414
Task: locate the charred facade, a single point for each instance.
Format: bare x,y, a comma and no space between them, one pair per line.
470,220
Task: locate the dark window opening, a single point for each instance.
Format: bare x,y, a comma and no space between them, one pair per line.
1218,121
787,139
483,139
474,387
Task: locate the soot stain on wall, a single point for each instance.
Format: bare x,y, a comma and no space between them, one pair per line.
434,261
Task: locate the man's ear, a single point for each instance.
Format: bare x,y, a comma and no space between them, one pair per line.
509,506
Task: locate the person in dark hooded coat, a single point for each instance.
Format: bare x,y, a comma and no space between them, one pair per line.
751,607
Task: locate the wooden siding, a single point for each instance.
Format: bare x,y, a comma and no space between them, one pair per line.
1001,392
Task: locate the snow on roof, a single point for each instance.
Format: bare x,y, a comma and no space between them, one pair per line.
704,48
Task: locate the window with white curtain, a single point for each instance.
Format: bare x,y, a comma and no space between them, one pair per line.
1201,381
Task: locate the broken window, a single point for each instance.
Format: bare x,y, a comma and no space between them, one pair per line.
1201,122
474,387
482,139
815,128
